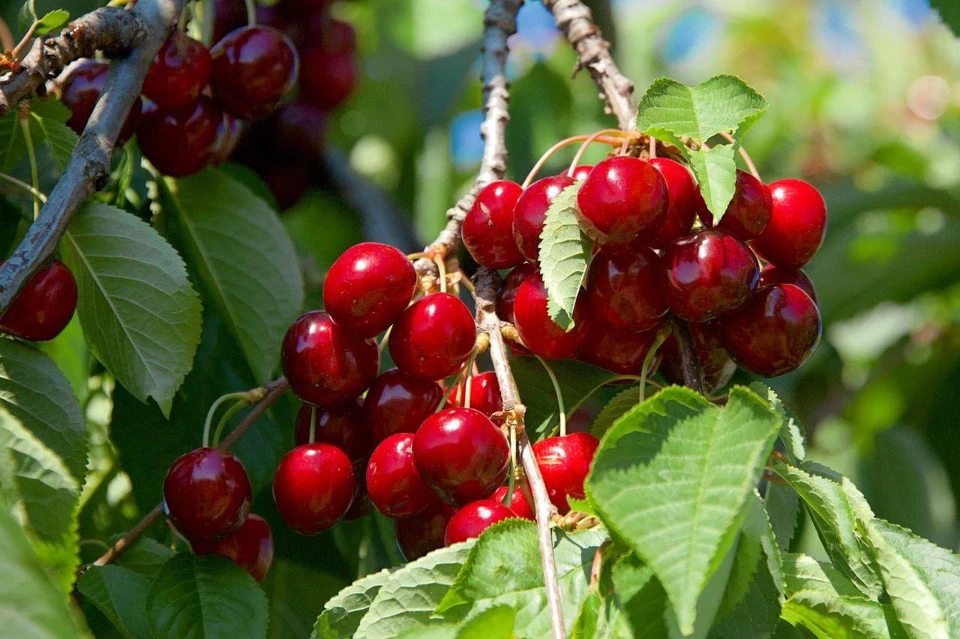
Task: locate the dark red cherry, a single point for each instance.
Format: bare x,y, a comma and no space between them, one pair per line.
325,364
748,213
330,69
540,334
433,337
80,92
508,292
206,494
179,73
771,274
797,224
227,16
775,332
342,425
398,403
618,351
180,142
461,454
253,68
229,132
393,481
518,504
368,287
314,487
473,519
684,198
299,130
581,172
623,289
422,533
45,305
488,227
622,199
484,394
708,274
530,213
564,463
250,546
717,366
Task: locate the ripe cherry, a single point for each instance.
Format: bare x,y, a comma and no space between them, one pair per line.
80,92
581,172
530,213
393,481
227,16
250,546
775,332
325,364
44,307
398,403
508,292
342,425
484,393
368,287
618,351
473,519
299,130
180,142
488,227
422,533
314,487
253,68
330,70
540,334
683,197
748,213
179,73
771,274
206,494
708,274
564,463
229,132
622,199
623,289
461,454
518,504
717,366
797,224
433,337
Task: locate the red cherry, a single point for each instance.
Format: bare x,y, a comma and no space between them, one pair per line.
180,142
343,426
622,199
227,16
368,287
717,366
250,546
508,292
229,132
564,463
581,172
797,224
433,337
618,351
288,181
330,69
299,130
473,519
206,494
623,289
748,213
80,91
325,364
540,334
484,394
422,533
530,213
775,332
179,73
314,487
771,274
488,227
461,454
683,197
708,274
398,403
253,68
393,481
519,504
45,305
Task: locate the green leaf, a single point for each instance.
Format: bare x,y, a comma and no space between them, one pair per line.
243,257
59,137
783,509
756,615
121,595
949,12
493,623
140,315
671,479
205,597
642,597
615,409
343,613
52,20
13,146
564,255
296,592
69,352
716,172
146,557
791,434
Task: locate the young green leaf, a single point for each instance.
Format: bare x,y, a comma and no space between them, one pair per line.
716,172
564,256
121,595
342,615
51,21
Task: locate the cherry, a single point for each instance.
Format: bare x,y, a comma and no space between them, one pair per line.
253,68
771,274
298,130
508,292
342,425
581,172
484,394
564,463
488,227
314,487
227,16
180,142
518,504
418,535
229,132
324,363
540,334
473,519
80,92
717,366
530,213
683,200
461,454
623,289
179,73
748,213
368,287
45,305
708,274
206,494
250,546
393,481
622,199
797,224
330,68
618,351
433,337
398,403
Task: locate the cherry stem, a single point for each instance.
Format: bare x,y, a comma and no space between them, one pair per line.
465,384
39,196
558,393
743,154
658,341
653,147
15,53
385,339
512,483
6,36
559,145
442,270
313,424
586,143
251,12
213,411
233,410
689,362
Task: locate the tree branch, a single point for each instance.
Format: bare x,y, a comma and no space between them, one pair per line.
140,34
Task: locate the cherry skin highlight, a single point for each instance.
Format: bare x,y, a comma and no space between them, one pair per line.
393,481
45,305
206,494
343,425
540,334
398,403
749,211
683,199
484,393
314,487
623,289
622,199
530,213
581,172
433,337
797,224
422,533
717,366
80,92
179,73
518,504
564,463
488,227
771,274
253,68
180,142
250,546
473,519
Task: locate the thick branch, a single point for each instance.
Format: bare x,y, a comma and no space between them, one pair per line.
89,166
